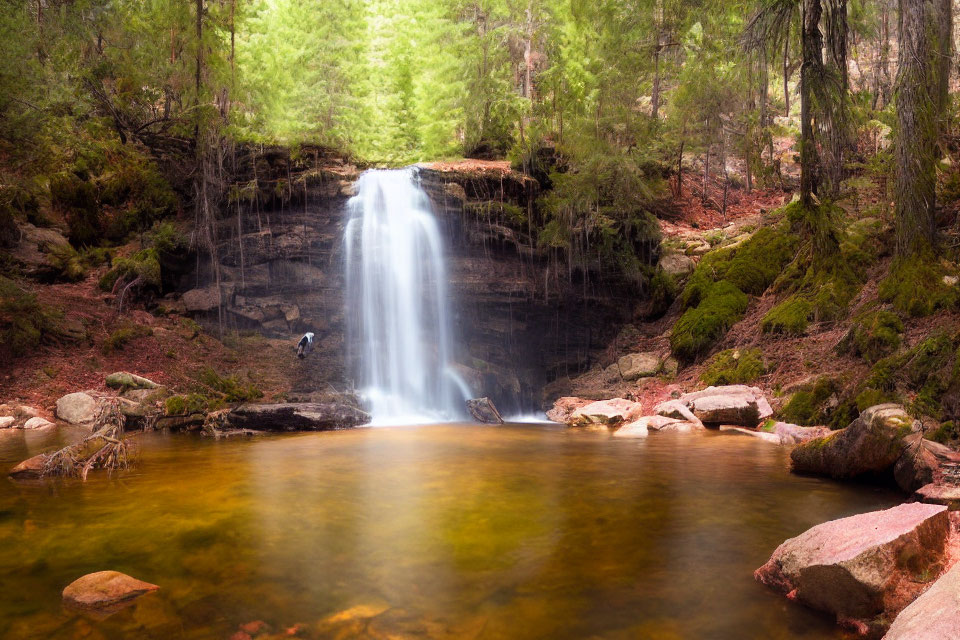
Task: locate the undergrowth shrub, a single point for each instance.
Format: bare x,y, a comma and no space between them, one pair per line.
24,321
872,336
700,327
120,338
915,286
231,388
808,407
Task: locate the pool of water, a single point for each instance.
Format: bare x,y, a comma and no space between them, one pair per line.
523,531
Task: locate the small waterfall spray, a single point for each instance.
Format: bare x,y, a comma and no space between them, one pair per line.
397,307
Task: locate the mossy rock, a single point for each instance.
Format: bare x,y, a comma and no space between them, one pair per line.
760,259
872,336
699,328
790,316
734,366
711,269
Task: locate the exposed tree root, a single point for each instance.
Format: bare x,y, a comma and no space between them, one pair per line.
104,449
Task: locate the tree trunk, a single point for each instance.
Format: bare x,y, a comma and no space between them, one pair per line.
833,114
786,77
811,70
925,29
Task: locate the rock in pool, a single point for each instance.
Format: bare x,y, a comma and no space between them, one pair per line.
734,404
610,413
6,422
862,566
484,411
564,407
36,423
104,589
297,416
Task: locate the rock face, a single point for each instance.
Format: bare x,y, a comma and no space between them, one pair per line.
864,565
677,264
484,411
933,616
638,365
609,413
125,380
77,408
945,494
564,407
104,590
872,444
732,404
297,416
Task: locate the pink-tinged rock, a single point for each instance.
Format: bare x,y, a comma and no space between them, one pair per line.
683,426
933,616
772,438
862,566
676,409
6,422
104,589
795,434
37,423
565,406
919,463
945,494
29,468
734,404
609,413
637,428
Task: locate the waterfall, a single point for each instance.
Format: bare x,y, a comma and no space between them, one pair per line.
397,305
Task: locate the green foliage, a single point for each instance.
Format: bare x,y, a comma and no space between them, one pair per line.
946,433
661,292
808,407
712,267
700,327
790,316
734,366
872,336
24,321
120,338
186,404
72,264
229,387
143,264
915,286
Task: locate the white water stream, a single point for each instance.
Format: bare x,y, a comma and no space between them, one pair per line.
397,305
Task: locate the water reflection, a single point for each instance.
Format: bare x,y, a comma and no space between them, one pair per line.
499,532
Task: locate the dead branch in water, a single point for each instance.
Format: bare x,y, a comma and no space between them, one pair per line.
104,449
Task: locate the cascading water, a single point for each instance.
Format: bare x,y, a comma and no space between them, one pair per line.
397,306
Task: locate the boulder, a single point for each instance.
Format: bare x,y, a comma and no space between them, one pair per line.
564,407
203,299
920,462
104,590
735,404
29,468
296,416
933,616
125,380
676,409
872,444
37,423
636,429
484,411
790,434
6,422
945,494
862,566
609,413
677,265
77,408
638,365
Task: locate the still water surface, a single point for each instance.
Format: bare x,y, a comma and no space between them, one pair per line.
451,531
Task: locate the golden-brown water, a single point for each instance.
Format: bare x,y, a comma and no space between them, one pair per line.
473,532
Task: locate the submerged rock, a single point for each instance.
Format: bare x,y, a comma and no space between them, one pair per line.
795,434
862,566
126,380
564,407
484,411
610,413
30,468
104,589
933,616
872,444
293,416
77,408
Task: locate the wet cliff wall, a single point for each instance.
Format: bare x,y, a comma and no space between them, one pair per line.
520,318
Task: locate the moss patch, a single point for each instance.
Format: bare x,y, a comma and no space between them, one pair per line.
734,366
915,286
760,259
790,316
808,407
872,336
699,328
